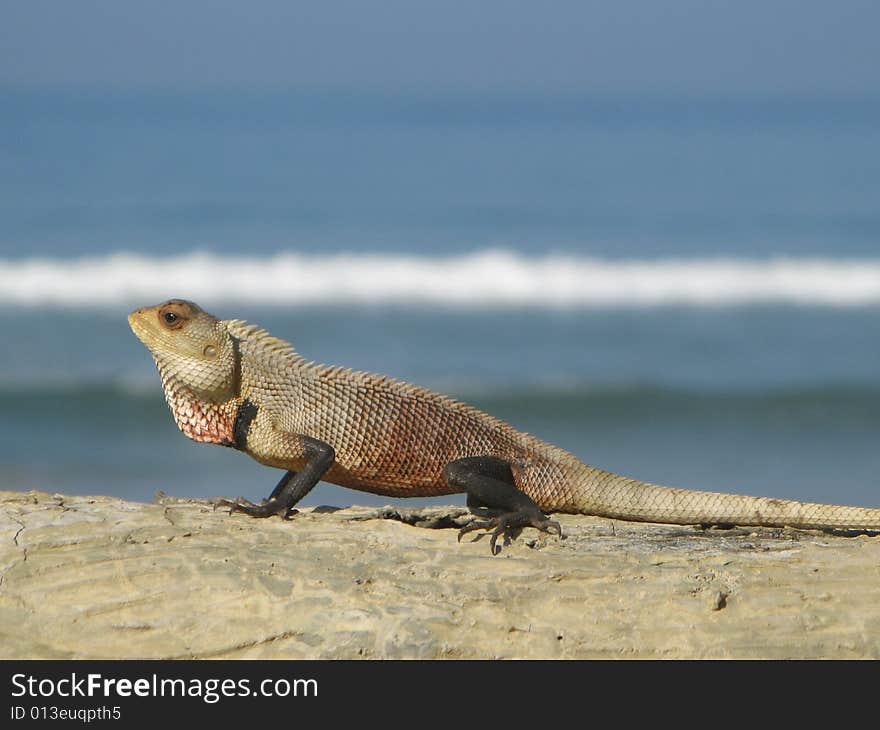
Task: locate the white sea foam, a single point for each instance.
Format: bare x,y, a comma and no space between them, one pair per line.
492,278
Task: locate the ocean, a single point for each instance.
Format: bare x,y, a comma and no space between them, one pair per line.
682,290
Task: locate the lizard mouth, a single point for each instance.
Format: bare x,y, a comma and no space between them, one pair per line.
138,324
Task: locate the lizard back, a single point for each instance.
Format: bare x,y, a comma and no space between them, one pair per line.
392,437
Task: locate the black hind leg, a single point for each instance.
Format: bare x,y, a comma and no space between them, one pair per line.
489,482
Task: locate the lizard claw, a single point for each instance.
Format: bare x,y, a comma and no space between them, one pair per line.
266,508
504,525
227,502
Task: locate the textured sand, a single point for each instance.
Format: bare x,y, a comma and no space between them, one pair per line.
95,577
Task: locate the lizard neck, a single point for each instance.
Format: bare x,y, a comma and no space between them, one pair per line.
202,421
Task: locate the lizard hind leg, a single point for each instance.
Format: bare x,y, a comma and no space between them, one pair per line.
488,482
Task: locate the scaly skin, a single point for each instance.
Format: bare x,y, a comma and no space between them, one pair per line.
231,383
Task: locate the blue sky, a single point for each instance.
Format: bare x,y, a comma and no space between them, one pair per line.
742,47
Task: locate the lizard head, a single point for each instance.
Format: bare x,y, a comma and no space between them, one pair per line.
192,349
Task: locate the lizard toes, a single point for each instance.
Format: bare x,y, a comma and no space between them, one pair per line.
475,525
548,526
499,526
232,504
508,526
265,509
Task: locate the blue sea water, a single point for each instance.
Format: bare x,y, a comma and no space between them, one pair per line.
681,290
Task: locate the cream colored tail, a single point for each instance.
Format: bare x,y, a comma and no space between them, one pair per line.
611,495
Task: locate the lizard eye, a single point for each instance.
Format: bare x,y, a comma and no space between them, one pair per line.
210,351
172,320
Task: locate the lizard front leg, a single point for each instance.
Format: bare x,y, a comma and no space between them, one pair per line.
294,485
489,482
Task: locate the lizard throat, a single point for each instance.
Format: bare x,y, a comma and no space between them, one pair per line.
209,423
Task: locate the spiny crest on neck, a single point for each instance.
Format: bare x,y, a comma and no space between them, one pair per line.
261,340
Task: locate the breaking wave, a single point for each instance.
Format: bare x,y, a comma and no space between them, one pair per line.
491,278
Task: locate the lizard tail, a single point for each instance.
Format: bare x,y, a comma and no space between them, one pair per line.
610,495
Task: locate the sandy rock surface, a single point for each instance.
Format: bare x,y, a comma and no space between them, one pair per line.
96,577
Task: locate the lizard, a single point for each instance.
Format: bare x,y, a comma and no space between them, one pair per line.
232,383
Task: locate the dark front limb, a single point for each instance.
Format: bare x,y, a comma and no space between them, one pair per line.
294,485
288,475
488,482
